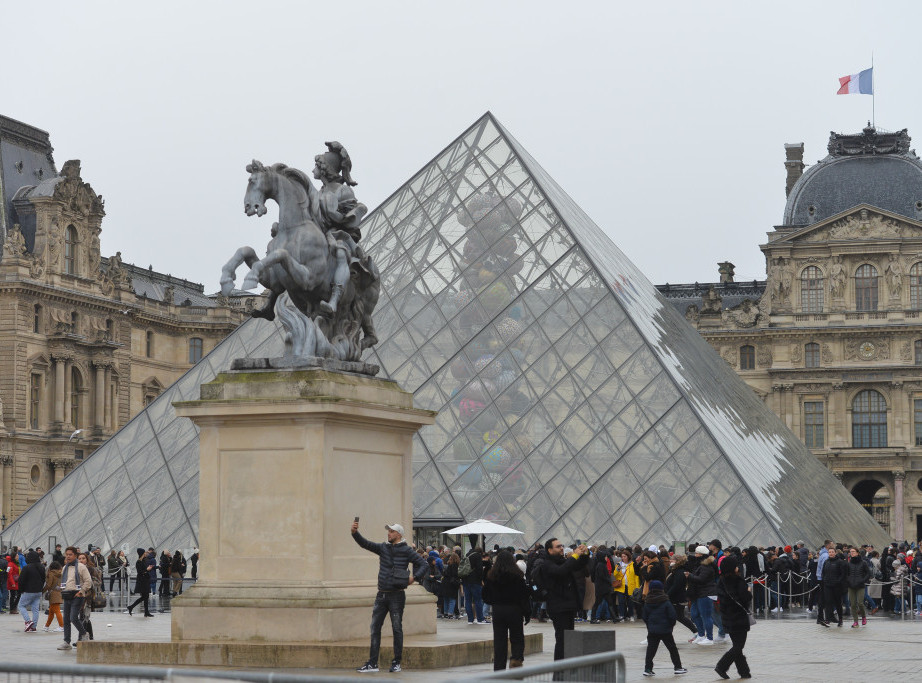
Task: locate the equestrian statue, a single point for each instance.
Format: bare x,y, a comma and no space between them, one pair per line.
322,285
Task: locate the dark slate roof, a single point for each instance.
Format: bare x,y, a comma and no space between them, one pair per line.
150,284
872,167
25,159
731,293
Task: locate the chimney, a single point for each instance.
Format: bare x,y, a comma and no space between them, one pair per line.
793,163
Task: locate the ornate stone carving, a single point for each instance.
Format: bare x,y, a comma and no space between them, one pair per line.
76,194
62,464
837,277
745,314
36,267
812,387
797,353
764,355
826,354
729,354
169,294
868,142
867,348
894,276
899,476
780,281
865,225
691,314
711,302
15,245
906,351
6,460
93,253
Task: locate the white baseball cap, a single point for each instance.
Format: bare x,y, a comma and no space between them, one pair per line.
394,527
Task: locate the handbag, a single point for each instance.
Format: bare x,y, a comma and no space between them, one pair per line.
100,600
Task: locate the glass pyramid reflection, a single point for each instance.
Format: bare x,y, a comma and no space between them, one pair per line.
573,400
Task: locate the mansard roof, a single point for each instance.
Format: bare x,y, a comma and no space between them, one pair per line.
873,167
25,159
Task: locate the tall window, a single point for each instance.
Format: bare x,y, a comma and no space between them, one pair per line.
917,405
37,318
35,397
869,420
149,345
70,250
74,319
812,355
918,352
866,288
195,349
813,424
747,357
811,290
109,336
76,388
915,287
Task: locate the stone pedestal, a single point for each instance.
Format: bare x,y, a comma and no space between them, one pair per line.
288,459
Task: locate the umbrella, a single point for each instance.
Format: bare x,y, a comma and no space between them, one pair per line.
482,526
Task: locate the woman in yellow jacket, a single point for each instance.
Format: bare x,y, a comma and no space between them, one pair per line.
629,583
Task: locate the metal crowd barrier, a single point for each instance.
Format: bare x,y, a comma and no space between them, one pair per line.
605,667
78,673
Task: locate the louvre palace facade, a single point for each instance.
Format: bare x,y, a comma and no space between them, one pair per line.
831,341
87,341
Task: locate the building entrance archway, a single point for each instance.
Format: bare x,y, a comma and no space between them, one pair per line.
875,498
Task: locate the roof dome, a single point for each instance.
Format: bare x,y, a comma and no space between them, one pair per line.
872,167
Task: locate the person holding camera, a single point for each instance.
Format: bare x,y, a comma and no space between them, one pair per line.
393,578
557,578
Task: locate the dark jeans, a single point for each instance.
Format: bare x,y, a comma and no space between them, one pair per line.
682,619
820,601
832,597
145,598
563,621
14,599
473,603
507,623
653,641
387,602
735,654
117,576
73,610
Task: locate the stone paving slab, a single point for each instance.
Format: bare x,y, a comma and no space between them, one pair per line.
887,649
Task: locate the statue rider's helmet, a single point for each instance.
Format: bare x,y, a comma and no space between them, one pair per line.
335,163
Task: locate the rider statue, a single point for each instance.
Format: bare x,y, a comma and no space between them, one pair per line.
335,210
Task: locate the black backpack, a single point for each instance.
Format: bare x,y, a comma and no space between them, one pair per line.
536,581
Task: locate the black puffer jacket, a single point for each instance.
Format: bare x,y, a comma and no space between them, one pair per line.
32,576
557,576
835,571
859,573
394,560
702,582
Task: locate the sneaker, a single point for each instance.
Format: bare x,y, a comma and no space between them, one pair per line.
643,642
395,667
368,668
823,623
31,628
680,670
59,629
777,609
481,623
64,646
722,639
28,626
864,621
46,629
649,672
694,639
706,641
855,625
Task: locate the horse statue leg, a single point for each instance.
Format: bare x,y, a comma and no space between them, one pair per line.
301,274
229,271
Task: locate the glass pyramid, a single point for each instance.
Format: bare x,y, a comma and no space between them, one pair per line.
573,400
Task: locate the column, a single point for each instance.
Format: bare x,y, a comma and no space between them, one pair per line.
7,462
898,480
788,400
776,401
58,389
99,412
59,466
68,378
838,417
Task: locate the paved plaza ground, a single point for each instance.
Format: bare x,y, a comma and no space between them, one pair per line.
792,647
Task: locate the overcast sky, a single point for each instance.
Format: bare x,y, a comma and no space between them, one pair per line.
665,121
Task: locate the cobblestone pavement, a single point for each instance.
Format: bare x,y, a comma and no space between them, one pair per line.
887,649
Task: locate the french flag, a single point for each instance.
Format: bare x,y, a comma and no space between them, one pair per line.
857,84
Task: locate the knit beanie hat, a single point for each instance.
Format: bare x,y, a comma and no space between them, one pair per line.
656,585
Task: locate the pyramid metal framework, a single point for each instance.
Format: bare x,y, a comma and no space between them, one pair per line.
573,400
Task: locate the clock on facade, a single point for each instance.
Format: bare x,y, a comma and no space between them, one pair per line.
867,350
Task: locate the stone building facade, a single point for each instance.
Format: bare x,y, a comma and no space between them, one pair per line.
832,339
87,341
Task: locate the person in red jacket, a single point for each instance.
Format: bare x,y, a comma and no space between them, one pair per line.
12,583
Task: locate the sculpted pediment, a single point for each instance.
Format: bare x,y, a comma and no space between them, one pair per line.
76,194
864,223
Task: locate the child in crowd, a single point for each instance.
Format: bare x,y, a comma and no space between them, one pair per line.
660,617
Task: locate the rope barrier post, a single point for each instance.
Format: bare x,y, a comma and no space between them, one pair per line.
902,599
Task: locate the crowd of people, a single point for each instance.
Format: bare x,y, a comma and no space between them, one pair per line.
72,582
714,592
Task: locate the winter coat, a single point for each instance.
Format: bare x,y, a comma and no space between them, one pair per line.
895,576
450,582
734,599
53,586
601,577
835,571
631,581
507,591
12,576
477,572
142,582
653,571
658,613
558,577
781,566
702,582
394,558
676,586
32,577
803,555
859,573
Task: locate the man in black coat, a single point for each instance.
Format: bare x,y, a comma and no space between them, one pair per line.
393,579
557,578
835,577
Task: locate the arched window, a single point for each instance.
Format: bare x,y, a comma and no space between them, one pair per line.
869,420
915,287
70,250
866,288
149,345
195,349
76,388
747,357
811,290
37,318
812,355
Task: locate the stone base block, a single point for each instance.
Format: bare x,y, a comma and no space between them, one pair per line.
419,652
580,643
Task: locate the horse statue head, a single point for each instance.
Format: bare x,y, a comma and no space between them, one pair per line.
258,189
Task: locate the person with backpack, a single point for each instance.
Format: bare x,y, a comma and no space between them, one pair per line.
556,576
536,556
659,615
470,571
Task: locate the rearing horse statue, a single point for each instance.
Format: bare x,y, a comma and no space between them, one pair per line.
326,276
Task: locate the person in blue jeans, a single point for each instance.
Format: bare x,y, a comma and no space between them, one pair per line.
31,585
702,585
473,586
